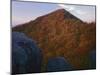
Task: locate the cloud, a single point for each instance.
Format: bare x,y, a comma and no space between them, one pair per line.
67,7
72,8
80,12
85,13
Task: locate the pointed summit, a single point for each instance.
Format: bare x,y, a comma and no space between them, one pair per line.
59,14
60,11
65,14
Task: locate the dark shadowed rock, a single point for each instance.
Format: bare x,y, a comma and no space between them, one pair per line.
92,57
58,64
26,56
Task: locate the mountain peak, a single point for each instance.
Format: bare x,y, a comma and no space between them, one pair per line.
61,10
66,14
60,14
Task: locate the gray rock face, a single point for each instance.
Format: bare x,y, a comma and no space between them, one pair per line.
26,56
58,64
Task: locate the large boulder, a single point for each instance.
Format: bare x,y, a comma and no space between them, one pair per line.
58,64
26,56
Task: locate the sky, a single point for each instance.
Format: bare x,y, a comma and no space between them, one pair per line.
23,12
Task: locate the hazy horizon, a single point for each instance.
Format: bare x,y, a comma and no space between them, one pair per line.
23,12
